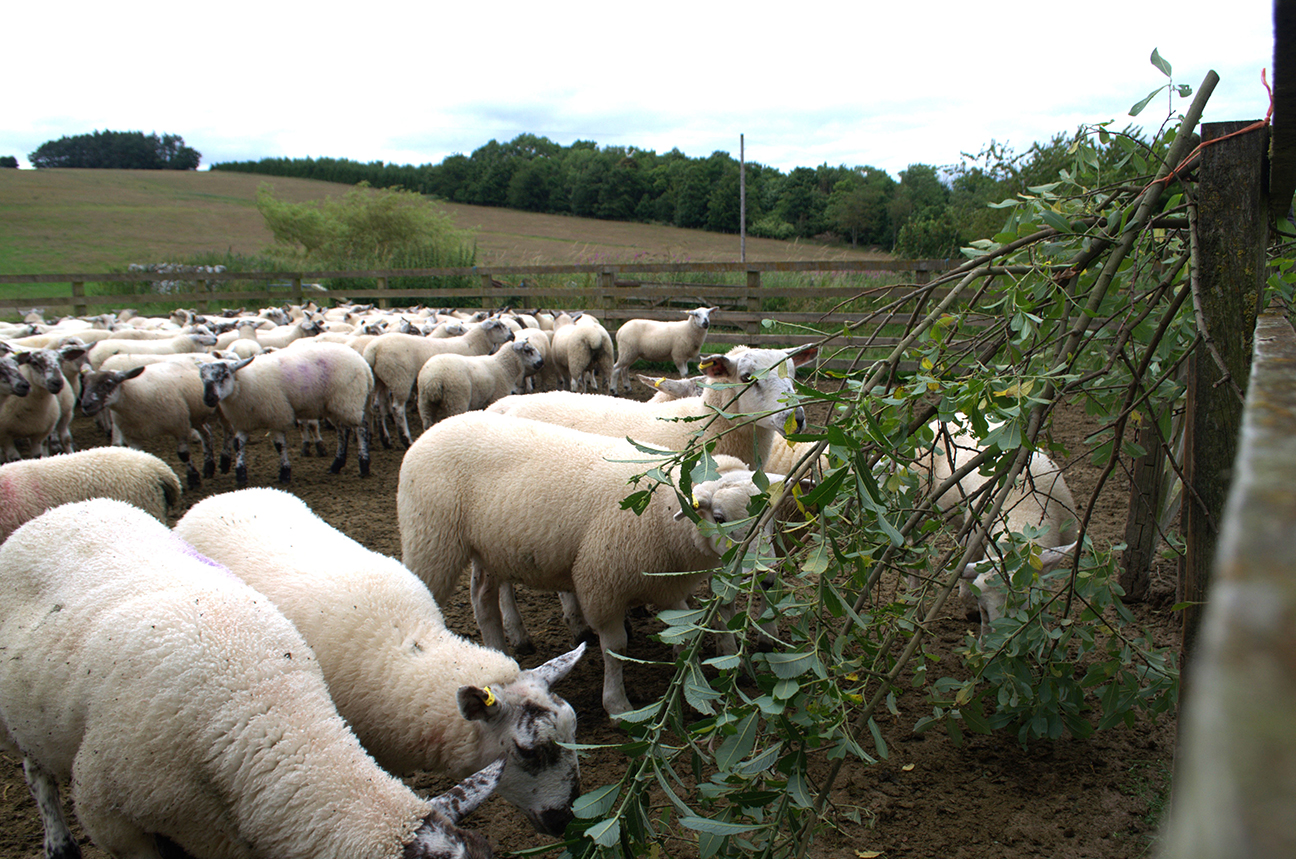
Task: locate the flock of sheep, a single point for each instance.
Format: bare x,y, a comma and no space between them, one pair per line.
252,682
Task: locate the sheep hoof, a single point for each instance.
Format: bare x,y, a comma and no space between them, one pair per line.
306,448
225,464
524,648
209,469
285,474
319,449
364,468
191,477
336,467
240,476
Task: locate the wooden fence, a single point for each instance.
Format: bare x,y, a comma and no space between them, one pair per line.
612,292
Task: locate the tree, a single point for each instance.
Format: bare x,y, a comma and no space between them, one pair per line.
120,150
857,205
8,161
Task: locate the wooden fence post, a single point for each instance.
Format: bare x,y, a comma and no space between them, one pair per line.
382,284
1232,236
606,285
78,292
753,299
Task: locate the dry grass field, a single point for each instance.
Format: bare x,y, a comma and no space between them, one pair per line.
55,221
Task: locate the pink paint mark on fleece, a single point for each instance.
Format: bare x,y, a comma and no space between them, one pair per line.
20,499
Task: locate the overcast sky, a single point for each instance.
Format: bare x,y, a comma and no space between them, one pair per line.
806,83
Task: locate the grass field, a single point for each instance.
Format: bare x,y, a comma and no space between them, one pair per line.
88,221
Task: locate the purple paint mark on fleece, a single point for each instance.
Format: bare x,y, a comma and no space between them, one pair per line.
190,551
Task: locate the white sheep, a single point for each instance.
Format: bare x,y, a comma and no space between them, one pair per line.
582,349
196,341
460,499
272,391
32,417
546,378
454,384
748,401
418,696
151,396
1038,505
185,709
650,340
396,359
30,487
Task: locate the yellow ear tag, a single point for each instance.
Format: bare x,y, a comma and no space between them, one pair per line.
490,696
696,502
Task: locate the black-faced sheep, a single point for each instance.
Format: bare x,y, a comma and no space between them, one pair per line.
418,696
185,709
650,340
459,501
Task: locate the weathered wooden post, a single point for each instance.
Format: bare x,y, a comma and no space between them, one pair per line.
753,300
1232,237
382,284
78,292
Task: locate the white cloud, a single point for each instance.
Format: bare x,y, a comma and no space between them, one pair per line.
812,83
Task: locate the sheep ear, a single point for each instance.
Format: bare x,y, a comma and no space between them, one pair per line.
133,372
805,356
477,703
716,366
460,800
558,667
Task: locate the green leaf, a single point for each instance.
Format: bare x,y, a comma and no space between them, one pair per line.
738,746
1138,107
1160,62
1055,220
715,827
597,802
788,665
607,833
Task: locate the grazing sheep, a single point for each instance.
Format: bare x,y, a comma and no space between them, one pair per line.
582,348
649,340
454,384
35,416
460,500
272,391
753,387
185,710
396,359
151,396
1040,501
418,696
30,487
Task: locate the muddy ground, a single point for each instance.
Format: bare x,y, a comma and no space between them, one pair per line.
987,798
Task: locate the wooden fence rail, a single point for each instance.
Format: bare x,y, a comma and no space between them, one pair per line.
1235,777
613,293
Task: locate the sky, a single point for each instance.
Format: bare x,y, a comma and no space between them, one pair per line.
800,84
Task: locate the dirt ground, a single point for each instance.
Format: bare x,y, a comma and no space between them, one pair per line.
987,798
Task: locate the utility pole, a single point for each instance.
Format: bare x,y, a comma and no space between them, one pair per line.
742,202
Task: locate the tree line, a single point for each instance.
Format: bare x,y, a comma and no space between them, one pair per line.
118,150
929,212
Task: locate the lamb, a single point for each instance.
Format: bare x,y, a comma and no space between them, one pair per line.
582,348
35,416
197,341
546,378
754,386
458,501
417,696
187,713
151,396
1039,504
649,340
396,359
453,384
31,487
272,391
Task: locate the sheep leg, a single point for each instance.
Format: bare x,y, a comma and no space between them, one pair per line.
59,841
182,451
285,467
402,425
343,442
362,447
240,459
486,606
612,640
514,627
208,449
574,617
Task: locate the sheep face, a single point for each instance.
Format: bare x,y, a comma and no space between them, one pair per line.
701,317
11,378
440,836
102,388
532,360
719,504
45,365
527,723
218,379
766,377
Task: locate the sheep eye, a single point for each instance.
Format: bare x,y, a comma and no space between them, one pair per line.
720,518
745,378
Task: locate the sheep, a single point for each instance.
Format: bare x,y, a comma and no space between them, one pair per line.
35,416
546,378
272,391
649,340
582,348
187,713
458,501
31,487
746,404
396,359
453,384
417,696
150,396
666,389
1039,504
197,341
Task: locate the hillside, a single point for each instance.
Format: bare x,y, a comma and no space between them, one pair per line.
95,220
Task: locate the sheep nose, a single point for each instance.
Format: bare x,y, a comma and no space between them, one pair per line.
800,419
21,387
210,400
553,821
